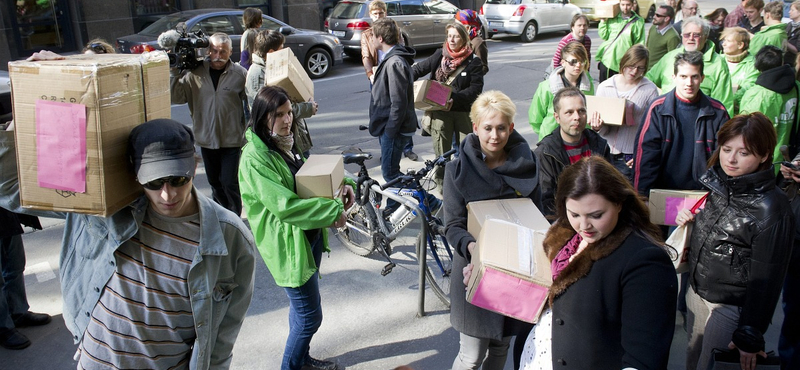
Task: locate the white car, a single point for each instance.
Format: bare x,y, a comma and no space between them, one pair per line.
527,18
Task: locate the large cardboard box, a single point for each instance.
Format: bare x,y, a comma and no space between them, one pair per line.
520,211
612,110
73,118
431,95
283,69
320,176
511,273
606,9
665,204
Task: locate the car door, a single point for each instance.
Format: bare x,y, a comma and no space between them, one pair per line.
442,13
543,12
562,14
416,22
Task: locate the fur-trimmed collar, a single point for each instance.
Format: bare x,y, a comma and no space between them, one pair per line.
559,235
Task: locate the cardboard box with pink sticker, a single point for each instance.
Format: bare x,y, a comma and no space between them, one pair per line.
665,204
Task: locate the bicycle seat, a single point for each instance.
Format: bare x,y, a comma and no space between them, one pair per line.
356,157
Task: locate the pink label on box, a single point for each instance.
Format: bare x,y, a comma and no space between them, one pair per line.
673,205
437,94
509,295
61,145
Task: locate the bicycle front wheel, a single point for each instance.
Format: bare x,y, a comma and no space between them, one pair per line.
356,234
438,265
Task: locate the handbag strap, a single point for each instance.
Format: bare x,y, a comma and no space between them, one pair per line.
699,203
633,19
455,73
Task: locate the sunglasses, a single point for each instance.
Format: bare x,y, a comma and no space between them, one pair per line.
659,15
574,62
97,48
692,35
174,181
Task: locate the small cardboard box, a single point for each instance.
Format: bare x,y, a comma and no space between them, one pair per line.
612,110
665,204
284,70
511,273
73,118
520,211
320,176
431,95
606,9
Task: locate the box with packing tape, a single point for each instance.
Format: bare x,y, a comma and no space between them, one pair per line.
320,176
511,273
431,95
665,204
73,118
284,70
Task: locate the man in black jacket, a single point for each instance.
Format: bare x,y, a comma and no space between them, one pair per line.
567,145
391,110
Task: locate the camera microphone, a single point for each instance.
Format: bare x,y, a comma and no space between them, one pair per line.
169,39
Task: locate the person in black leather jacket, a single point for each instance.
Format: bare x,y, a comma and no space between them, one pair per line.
740,245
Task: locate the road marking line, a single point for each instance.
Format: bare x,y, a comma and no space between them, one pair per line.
43,272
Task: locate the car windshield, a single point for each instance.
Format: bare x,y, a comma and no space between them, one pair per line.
347,10
166,23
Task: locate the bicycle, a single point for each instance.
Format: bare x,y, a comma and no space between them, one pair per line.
367,231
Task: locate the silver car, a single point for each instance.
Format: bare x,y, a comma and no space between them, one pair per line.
422,22
318,51
527,18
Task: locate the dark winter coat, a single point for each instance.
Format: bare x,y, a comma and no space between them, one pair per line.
552,160
740,248
391,107
12,223
614,304
468,179
466,86
655,157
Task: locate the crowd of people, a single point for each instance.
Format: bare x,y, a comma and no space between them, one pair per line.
612,304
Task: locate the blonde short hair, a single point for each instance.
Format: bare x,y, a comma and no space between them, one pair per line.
739,35
377,4
492,101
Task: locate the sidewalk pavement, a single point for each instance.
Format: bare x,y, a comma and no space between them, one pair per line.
370,321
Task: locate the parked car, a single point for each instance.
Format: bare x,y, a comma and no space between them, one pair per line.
645,8
318,51
422,22
527,18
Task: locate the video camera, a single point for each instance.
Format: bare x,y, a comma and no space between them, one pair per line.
185,44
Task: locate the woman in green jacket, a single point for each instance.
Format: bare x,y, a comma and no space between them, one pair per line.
289,231
571,73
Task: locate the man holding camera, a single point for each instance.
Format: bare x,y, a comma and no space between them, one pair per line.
217,100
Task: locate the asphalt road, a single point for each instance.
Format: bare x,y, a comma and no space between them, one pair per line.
370,321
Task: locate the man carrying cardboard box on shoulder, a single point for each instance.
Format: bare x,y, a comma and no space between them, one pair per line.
191,260
216,96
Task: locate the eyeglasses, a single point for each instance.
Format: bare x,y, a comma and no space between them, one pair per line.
692,35
98,48
174,181
637,69
574,62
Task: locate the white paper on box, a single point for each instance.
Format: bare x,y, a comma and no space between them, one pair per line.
525,250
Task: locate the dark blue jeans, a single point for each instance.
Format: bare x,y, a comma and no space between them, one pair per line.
789,341
305,315
391,152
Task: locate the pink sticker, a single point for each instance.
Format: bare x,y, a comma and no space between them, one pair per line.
61,145
437,94
673,205
509,295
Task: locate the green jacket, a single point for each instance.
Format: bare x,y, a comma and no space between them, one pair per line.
717,82
774,35
278,216
778,107
540,114
613,48
743,77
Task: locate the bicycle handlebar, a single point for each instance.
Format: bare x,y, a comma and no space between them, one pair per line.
413,175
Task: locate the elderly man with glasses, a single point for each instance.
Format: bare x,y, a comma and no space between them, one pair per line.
717,81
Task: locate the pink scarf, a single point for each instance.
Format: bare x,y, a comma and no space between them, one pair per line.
562,258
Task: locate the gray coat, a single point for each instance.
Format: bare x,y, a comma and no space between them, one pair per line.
468,179
391,107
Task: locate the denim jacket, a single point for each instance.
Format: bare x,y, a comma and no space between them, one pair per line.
220,278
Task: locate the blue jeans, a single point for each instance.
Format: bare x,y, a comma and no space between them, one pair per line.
13,301
305,315
391,152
